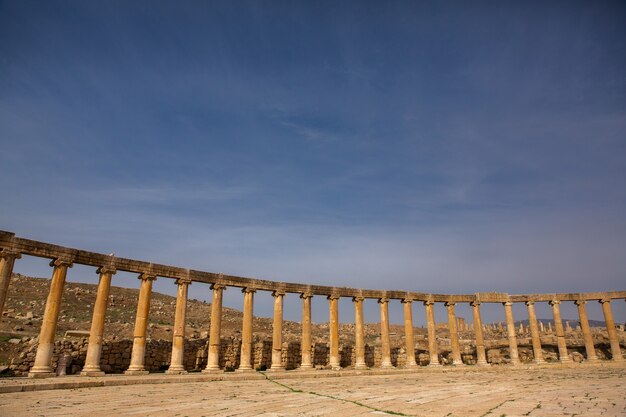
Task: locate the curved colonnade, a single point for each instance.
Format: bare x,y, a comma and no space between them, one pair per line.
62,258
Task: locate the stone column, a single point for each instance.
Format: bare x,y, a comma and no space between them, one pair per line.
277,332
454,334
384,334
359,334
335,363
177,360
481,357
43,358
94,349
408,333
138,355
7,259
534,332
510,328
560,334
215,336
432,334
584,325
305,346
245,363
616,352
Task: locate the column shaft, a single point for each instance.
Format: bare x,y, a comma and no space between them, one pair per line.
616,352
305,345
560,333
454,334
94,349
408,333
334,361
359,334
481,357
177,360
215,332
584,325
138,354
510,328
45,348
277,332
7,260
534,332
432,334
245,363
384,334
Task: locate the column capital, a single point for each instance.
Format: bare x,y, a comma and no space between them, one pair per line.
358,299
217,286
247,290
6,254
580,302
406,300
507,303
529,302
106,270
183,281
554,302
449,303
278,293
604,300
383,300
145,276
475,303
61,262
305,295
429,303
333,297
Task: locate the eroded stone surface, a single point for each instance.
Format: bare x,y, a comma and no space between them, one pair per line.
539,391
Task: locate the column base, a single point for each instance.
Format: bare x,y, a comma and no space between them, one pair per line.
458,363
387,366
212,370
306,367
39,374
411,365
335,367
245,370
361,367
434,364
592,360
565,360
136,372
515,363
539,362
482,363
92,373
176,371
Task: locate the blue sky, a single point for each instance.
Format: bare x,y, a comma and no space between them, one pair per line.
446,146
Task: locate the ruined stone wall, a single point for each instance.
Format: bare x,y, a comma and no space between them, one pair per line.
116,354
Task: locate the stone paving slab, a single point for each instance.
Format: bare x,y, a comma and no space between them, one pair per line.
20,384
466,392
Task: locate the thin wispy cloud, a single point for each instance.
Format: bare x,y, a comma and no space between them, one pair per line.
436,147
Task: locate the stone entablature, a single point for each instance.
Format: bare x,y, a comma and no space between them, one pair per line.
9,242
12,247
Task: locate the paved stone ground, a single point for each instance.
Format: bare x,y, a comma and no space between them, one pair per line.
577,391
